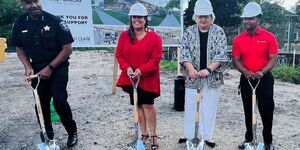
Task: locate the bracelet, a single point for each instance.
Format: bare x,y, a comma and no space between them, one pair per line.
50,66
208,69
262,72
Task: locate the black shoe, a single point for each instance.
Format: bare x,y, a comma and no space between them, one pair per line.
72,140
242,144
182,140
50,136
209,143
269,146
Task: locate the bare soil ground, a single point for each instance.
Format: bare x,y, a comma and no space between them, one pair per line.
105,120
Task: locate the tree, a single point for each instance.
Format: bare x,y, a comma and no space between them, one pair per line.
274,20
9,11
272,13
227,12
173,4
110,1
298,8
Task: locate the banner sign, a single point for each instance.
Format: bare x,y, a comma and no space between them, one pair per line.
98,23
78,16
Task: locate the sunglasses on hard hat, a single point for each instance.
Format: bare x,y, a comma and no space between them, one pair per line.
137,17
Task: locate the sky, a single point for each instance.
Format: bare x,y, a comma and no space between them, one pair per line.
289,4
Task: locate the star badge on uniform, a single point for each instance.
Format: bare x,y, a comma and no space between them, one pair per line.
46,28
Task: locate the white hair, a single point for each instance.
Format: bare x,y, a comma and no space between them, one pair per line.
212,16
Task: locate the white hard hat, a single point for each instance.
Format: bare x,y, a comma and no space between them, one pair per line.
252,9
138,9
203,8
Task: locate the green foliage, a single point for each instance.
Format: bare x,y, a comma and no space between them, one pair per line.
109,49
161,11
287,73
5,31
168,65
188,14
9,10
110,1
273,16
298,8
227,12
173,4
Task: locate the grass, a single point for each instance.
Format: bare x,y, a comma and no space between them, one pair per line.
121,17
287,73
96,18
168,65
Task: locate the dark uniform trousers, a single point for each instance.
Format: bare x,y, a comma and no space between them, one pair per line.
55,87
265,103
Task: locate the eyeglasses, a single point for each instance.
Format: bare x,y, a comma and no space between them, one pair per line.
205,17
137,17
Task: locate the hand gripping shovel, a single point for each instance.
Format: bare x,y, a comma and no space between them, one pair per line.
48,144
137,144
196,143
254,145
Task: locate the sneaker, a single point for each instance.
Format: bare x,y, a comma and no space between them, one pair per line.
210,143
72,140
242,144
182,140
269,146
50,136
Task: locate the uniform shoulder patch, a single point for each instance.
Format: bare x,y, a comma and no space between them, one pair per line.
64,26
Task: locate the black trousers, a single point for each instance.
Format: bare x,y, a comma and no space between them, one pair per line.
265,103
55,87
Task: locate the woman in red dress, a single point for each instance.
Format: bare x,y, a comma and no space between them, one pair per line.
139,51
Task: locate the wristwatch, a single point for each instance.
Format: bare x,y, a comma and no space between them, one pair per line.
208,69
50,66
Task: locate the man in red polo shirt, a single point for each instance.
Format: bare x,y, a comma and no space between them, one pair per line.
254,54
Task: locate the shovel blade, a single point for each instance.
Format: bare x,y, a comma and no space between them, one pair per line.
195,146
44,146
201,146
248,146
260,146
189,145
136,145
140,145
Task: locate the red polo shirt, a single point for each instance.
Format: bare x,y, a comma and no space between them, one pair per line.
254,50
